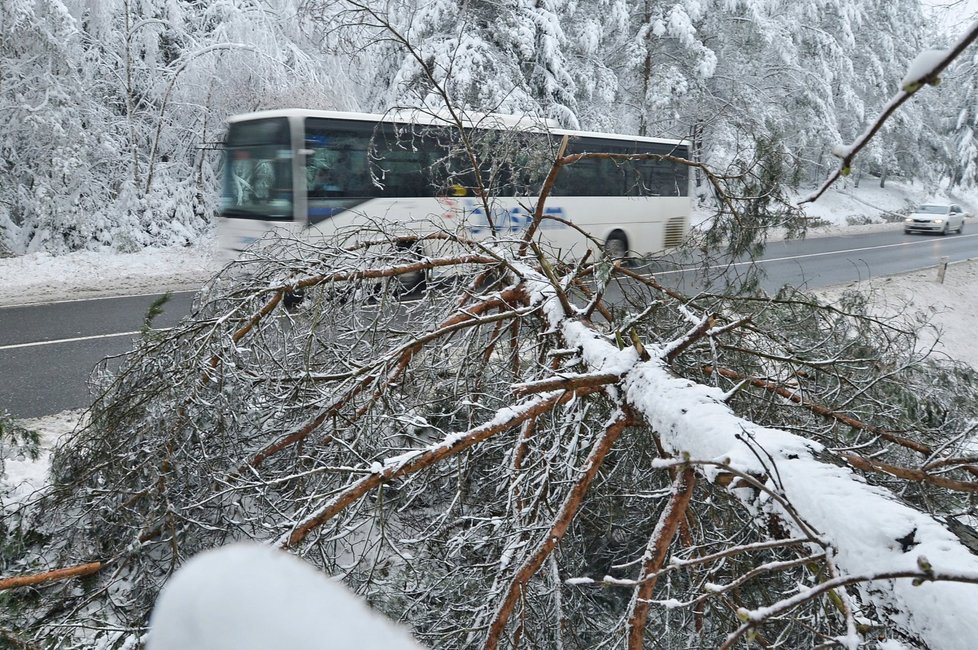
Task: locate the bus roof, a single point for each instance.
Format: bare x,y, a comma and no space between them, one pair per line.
475,120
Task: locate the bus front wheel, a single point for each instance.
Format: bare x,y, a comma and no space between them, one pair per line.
616,246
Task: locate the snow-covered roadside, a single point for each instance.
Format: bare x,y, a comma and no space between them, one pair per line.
40,277
846,209
869,208
951,306
847,205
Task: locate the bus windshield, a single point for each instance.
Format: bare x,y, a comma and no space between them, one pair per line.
258,170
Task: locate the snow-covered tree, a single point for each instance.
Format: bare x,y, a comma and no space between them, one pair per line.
962,120
108,110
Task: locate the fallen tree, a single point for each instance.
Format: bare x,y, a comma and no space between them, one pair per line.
513,459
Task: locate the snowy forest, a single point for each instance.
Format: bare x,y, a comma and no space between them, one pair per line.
111,111
533,452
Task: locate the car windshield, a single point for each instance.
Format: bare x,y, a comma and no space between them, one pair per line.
932,209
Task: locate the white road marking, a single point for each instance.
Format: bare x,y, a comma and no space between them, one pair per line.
72,340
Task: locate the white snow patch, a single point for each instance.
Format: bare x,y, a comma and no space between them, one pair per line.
841,151
951,305
891,644
24,478
41,277
253,597
922,65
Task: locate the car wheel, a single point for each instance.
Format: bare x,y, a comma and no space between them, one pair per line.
616,246
907,231
947,229
961,227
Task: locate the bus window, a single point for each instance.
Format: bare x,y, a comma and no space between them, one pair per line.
371,161
339,162
258,164
402,161
608,177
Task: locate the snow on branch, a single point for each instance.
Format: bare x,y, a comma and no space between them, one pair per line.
924,70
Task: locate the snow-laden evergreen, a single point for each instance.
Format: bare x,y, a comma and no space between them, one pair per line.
110,113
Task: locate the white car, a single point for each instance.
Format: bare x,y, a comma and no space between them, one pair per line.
935,217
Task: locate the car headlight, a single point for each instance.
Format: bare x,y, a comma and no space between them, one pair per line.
938,221
908,220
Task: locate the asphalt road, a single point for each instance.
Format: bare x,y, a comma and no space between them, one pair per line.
47,351
829,261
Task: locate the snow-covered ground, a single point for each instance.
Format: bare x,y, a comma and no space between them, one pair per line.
24,477
40,277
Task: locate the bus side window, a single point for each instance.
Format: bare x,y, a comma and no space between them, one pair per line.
588,176
338,165
646,178
398,160
403,173
669,179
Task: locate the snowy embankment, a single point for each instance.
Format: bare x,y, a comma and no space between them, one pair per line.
40,277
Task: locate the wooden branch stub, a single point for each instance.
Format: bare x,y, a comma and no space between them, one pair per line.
565,383
50,576
908,473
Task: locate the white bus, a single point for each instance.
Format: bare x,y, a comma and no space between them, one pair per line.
317,173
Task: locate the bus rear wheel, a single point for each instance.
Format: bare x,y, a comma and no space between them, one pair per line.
616,246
